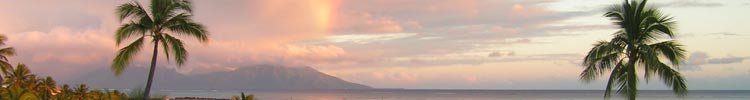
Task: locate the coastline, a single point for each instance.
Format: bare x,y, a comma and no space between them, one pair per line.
431,94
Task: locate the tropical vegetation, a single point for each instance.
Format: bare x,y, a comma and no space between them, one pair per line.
243,97
20,84
137,94
160,24
4,53
645,41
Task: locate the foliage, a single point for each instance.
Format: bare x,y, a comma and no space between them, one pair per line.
243,97
645,39
21,84
138,94
5,67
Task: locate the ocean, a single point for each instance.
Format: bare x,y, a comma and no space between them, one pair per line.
408,94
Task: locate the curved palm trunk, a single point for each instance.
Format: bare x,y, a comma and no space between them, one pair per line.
151,71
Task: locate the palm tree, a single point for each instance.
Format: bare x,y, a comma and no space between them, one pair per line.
114,95
646,38
66,93
5,67
18,76
95,95
243,97
48,88
82,92
18,93
165,19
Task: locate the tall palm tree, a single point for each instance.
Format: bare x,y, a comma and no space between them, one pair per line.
5,67
165,19
645,39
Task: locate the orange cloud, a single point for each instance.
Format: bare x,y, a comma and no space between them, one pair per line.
368,23
82,47
526,11
323,11
395,76
289,21
315,53
471,79
504,30
61,52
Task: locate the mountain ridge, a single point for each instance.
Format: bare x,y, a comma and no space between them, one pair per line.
248,77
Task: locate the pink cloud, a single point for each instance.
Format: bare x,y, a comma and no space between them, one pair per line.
315,53
503,30
392,76
378,75
368,23
61,51
62,44
471,79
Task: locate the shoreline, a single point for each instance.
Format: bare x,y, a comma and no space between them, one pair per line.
195,98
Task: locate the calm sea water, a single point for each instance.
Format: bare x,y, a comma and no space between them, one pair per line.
397,94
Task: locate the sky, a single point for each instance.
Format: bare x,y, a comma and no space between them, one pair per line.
415,44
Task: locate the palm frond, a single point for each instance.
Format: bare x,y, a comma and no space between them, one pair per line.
6,68
601,58
158,9
671,50
164,9
657,23
616,14
8,51
133,10
3,38
672,78
178,49
648,56
616,73
5,52
132,29
185,5
639,11
183,25
125,56
166,47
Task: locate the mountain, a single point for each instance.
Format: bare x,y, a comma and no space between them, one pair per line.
249,77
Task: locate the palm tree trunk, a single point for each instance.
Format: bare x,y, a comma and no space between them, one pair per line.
632,78
151,71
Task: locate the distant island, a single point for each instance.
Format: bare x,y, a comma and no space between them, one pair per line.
247,77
